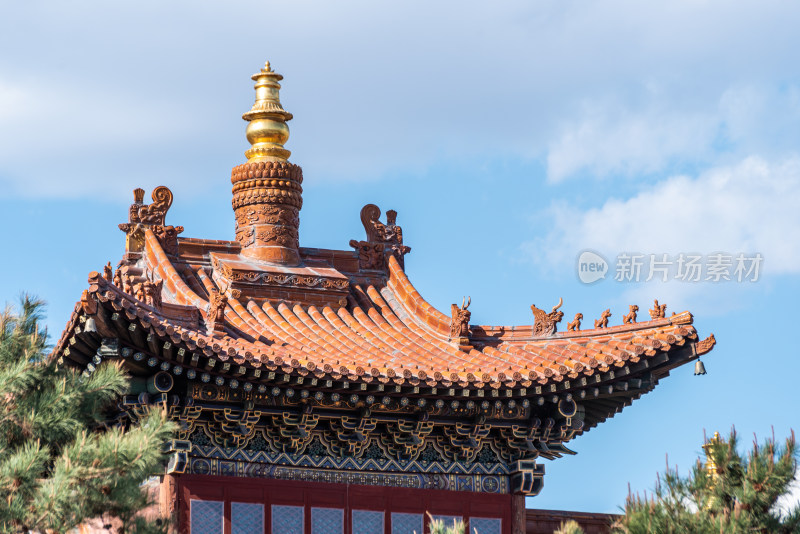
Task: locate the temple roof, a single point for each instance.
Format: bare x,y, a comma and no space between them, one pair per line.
383,329
262,311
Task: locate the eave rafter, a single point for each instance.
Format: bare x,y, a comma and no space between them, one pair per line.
150,349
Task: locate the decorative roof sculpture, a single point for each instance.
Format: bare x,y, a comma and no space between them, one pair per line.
263,345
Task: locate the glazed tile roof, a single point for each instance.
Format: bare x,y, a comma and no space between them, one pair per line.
383,331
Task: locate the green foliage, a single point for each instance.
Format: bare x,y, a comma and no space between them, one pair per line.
569,527
739,496
438,526
59,464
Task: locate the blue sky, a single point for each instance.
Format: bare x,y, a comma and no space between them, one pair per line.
509,137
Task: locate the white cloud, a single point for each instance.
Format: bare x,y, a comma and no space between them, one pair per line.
747,207
609,140
16,102
611,137
790,500
616,87
62,141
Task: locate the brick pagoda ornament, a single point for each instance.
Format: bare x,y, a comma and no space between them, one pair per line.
267,190
317,391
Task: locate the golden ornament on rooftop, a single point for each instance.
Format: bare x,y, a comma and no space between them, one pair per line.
267,131
711,465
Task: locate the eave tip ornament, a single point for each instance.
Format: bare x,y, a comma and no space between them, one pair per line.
267,131
702,348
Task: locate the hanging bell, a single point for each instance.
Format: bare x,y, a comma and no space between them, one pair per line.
90,325
699,368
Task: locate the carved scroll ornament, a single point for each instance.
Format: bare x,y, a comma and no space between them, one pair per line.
141,215
382,239
150,213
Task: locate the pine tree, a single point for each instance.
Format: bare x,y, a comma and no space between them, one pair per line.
731,494
60,464
569,527
438,526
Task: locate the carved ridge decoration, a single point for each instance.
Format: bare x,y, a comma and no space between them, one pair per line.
370,255
459,322
215,319
659,311
152,293
150,213
141,215
295,280
602,322
630,318
575,324
706,345
545,324
108,272
382,239
148,292
377,232
168,237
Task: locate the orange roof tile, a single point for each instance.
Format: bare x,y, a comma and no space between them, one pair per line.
385,330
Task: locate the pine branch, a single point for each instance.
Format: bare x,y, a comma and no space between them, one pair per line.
739,497
58,464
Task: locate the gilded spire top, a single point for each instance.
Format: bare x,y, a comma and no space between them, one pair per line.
711,465
267,131
266,69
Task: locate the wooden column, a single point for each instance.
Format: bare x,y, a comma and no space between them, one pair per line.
168,500
518,514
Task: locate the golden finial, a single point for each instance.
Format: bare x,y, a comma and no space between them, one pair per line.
711,465
267,131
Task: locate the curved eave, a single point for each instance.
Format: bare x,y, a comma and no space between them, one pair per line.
387,338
